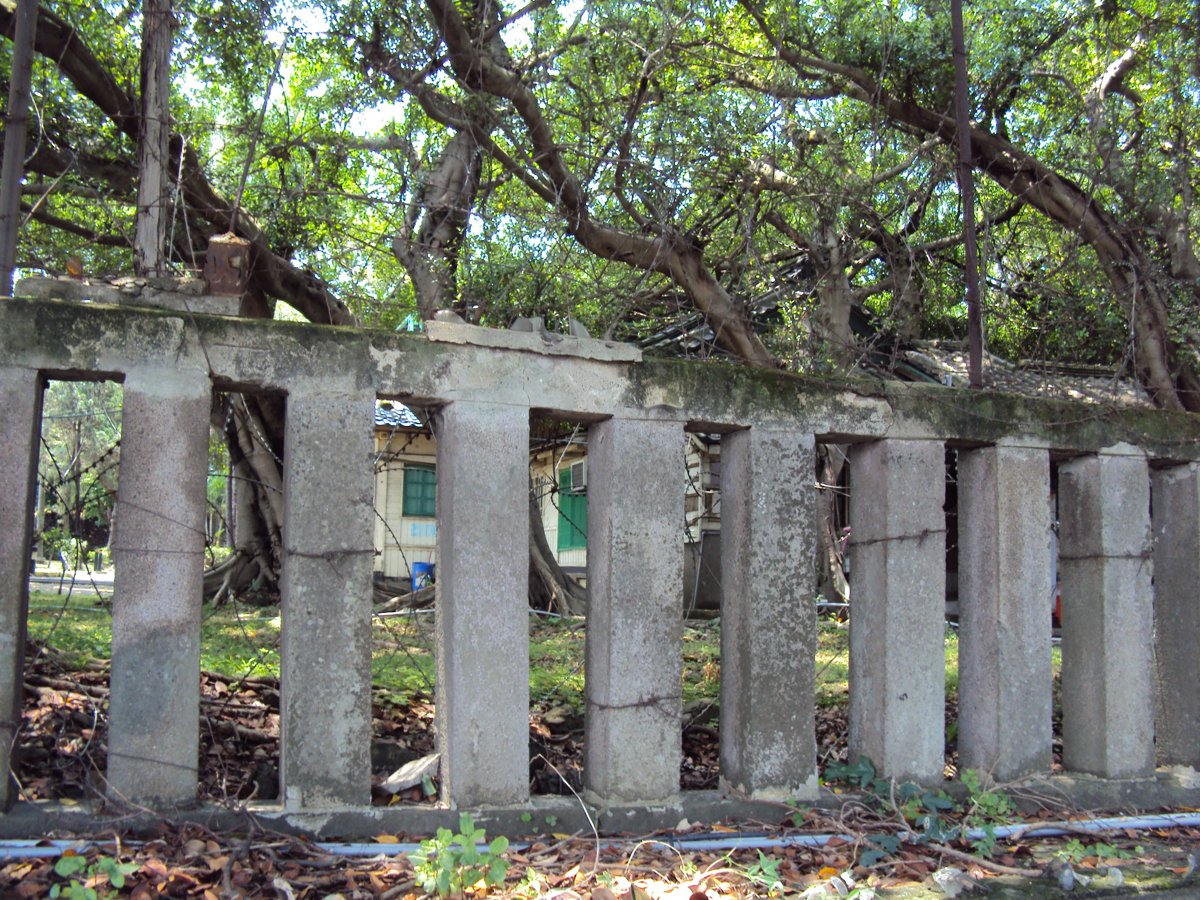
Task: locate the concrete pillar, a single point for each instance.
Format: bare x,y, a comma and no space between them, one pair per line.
1107,614
634,654
1176,525
768,614
325,649
20,419
483,603
1005,593
158,552
898,607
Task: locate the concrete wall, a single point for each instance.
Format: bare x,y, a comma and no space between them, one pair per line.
485,386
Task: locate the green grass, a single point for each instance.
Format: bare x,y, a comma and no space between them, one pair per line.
243,641
78,626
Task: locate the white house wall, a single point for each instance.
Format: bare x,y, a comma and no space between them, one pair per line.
400,540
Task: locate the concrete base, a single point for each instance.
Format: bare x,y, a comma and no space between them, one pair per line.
546,814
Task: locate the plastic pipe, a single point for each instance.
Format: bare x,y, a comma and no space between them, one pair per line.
34,849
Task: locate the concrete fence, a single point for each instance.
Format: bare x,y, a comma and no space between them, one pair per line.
1129,548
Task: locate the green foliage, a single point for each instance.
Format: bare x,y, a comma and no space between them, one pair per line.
449,863
984,803
1076,851
922,809
764,872
102,869
986,807
666,115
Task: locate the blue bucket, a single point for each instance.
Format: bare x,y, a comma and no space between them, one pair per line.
422,575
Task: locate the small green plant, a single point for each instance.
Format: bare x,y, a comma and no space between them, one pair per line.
449,862
1075,851
532,885
985,807
765,873
797,814
72,864
986,804
859,774
919,807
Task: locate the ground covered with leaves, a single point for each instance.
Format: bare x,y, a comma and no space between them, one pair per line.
885,842
190,861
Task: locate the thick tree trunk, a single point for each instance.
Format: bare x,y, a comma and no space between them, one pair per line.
150,227
834,295
428,242
253,427
15,124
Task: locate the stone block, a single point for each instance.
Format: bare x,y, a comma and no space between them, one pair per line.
20,420
483,603
1005,594
158,554
1176,526
768,614
898,600
634,655
1107,614
325,650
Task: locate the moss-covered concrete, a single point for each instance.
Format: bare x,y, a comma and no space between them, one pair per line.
86,340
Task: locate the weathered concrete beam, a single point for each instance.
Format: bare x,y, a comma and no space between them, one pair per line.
768,617
1107,614
482,610
20,413
1005,592
158,557
81,338
897,621
632,746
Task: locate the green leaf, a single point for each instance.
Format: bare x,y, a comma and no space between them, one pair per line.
70,865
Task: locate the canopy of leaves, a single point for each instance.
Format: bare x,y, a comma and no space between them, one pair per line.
780,163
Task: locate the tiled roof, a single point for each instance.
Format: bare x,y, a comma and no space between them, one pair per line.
948,365
390,414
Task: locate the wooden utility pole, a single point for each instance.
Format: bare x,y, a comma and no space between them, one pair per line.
150,229
966,188
16,121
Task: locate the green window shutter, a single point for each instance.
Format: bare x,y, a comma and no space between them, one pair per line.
572,515
420,491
